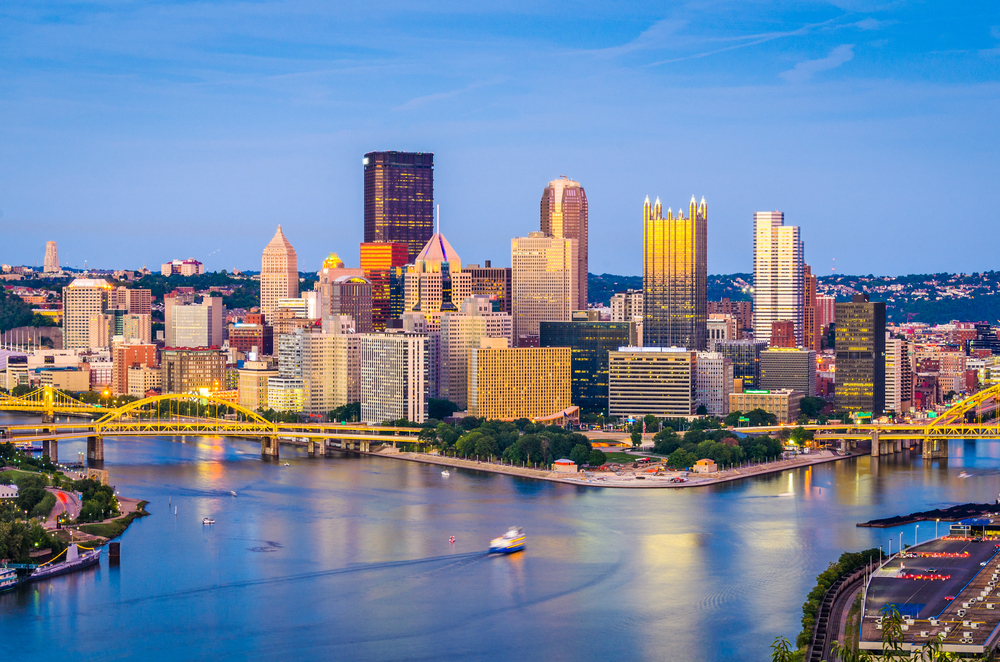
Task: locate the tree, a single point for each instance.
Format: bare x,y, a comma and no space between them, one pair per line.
636,438
349,413
440,409
760,417
681,459
580,454
732,419
486,446
597,458
811,407
666,441
702,410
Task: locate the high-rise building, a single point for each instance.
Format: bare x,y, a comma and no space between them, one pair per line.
187,370
791,368
543,282
126,356
188,267
778,274
741,310
394,376
626,306
783,334
589,342
245,336
82,299
652,380
564,214
436,282
131,328
384,265
459,336
493,283
252,389
675,276
826,313
351,295
51,258
745,355
518,382
860,345
714,382
194,325
898,375
135,301
279,274
810,329
399,198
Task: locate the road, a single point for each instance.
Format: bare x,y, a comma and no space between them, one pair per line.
66,502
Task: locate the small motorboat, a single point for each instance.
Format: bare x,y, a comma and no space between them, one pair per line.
451,539
965,475
208,520
445,473
287,465
233,493
512,541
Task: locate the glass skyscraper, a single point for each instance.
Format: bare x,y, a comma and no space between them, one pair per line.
399,198
675,276
860,344
745,355
589,343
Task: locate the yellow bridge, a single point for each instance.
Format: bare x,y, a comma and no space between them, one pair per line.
181,415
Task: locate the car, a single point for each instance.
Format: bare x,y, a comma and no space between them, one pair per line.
931,570
983,563
949,597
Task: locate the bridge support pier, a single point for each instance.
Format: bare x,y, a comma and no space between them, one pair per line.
95,450
269,448
312,447
899,446
50,449
876,444
935,448
48,417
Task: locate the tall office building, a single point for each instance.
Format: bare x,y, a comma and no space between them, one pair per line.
82,299
436,283
810,328
51,258
783,334
860,344
652,380
714,382
564,215
518,382
135,301
125,356
132,328
492,282
187,370
745,355
383,265
778,274
898,375
543,282
675,276
791,368
394,376
279,274
741,310
399,198
194,325
460,335
589,342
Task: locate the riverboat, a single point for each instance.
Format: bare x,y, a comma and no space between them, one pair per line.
445,473
8,579
512,541
208,520
74,561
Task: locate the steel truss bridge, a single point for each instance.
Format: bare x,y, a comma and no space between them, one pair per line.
180,414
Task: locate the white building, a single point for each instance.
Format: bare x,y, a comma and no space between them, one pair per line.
652,380
722,327
543,281
459,337
285,394
394,376
778,275
898,375
714,382
82,299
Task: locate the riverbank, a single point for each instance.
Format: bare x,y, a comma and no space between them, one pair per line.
952,514
633,478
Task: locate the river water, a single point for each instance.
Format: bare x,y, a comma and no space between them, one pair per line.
348,558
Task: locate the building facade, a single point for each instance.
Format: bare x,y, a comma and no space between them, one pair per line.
194,325
543,281
186,369
783,403
741,310
860,345
399,198
126,356
384,264
778,274
675,276
565,215
279,274
253,380
745,355
460,335
394,376
589,343
436,283
51,258
652,380
507,383
493,283
898,375
788,368
810,327
82,299
714,383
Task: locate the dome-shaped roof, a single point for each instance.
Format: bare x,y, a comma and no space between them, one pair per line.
333,261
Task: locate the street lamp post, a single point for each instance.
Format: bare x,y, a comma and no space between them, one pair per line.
916,532
890,546
900,541
936,522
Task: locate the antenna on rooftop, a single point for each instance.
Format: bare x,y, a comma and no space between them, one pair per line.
439,219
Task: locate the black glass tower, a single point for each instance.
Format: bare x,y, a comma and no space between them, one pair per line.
399,198
590,343
860,386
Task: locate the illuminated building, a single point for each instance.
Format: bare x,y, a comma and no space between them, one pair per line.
589,342
745,355
778,274
459,336
82,299
543,282
714,382
285,394
384,265
783,403
436,283
652,380
788,368
507,383
675,276
279,274
244,337
721,327
133,301
254,376
826,313
564,215
394,376
860,345
142,380
626,306
188,369
126,356
898,375
103,328
399,198
343,291
741,310
51,258
492,282
783,334
810,329
188,267
194,325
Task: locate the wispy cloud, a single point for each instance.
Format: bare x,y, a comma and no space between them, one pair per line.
417,102
803,71
872,24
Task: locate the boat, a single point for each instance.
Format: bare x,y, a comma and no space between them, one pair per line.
208,520
8,579
512,541
286,464
74,561
965,475
445,473
451,539
233,493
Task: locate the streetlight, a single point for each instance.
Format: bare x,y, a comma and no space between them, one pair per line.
890,546
915,533
936,522
901,542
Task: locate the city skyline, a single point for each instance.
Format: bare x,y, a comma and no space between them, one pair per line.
886,105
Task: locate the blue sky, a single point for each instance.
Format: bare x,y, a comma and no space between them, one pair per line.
137,132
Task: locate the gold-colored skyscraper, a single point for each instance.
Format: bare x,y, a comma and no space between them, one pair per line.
675,276
564,215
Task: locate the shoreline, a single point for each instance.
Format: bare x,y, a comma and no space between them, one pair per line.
611,480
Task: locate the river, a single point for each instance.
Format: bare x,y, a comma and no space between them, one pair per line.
348,558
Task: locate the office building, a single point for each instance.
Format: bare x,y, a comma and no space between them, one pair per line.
285,394
778,274
118,323
51,258
898,375
82,299
788,368
722,327
247,337
860,345
187,369
194,325
745,355
279,274
458,337
810,328
826,313
142,380
507,383
253,380
493,283
134,301
436,283
741,310
783,334
399,198
188,267
543,282
564,215
394,376
675,276
626,306
713,383
589,342
350,295
384,264
652,380
783,403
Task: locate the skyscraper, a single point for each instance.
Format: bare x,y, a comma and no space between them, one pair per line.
380,262
543,282
860,344
399,198
675,276
590,343
564,215
279,274
778,274
51,258
82,299
810,329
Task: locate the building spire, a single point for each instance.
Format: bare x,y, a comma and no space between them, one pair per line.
438,219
